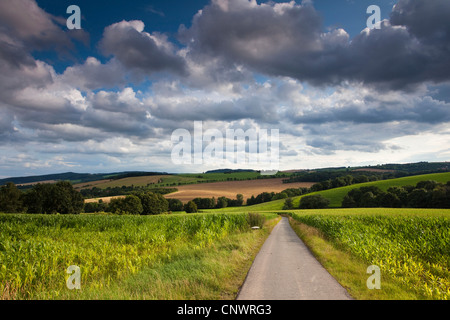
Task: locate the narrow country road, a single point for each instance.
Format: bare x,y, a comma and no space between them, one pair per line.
285,269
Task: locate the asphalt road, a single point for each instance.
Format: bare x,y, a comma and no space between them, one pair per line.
285,269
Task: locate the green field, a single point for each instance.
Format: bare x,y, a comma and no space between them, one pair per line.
207,255
176,179
143,257
336,195
410,246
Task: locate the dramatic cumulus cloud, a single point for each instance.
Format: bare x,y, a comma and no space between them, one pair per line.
139,50
240,65
287,39
26,22
93,75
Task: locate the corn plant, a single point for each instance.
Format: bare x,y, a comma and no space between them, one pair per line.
413,249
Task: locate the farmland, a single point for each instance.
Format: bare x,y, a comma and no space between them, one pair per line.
36,250
336,195
229,189
207,255
156,180
166,180
411,246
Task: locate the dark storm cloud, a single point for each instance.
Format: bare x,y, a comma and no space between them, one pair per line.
427,20
287,39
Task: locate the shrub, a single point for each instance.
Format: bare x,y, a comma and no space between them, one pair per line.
190,207
11,199
348,202
175,205
389,200
418,198
153,203
427,185
256,220
54,198
222,202
288,204
314,202
92,207
129,205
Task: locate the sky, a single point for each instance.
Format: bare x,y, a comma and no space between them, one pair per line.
109,96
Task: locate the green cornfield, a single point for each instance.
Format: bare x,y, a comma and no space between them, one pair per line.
413,248
36,250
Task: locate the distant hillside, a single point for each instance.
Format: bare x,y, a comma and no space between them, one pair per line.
336,195
378,172
76,177
230,170
416,168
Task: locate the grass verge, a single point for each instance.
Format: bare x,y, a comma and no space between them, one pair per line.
128,257
214,272
348,270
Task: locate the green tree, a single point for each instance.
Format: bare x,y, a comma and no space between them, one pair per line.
92,207
401,194
222,202
427,185
66,200
205,203
314,202
54,198
131,204
239,199
440,197
389,200
190,207
348,202
251,200
153,203
11,199
360,179
36,198
368,200
288,204
175,205
280,195
339,182
418,198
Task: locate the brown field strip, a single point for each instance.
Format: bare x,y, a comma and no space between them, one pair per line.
230,189
136,181
227,189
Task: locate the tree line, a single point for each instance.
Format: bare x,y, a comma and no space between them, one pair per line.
426,194
326,179
396,171
60,197
97,192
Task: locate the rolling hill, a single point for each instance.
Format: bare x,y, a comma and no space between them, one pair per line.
337,195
